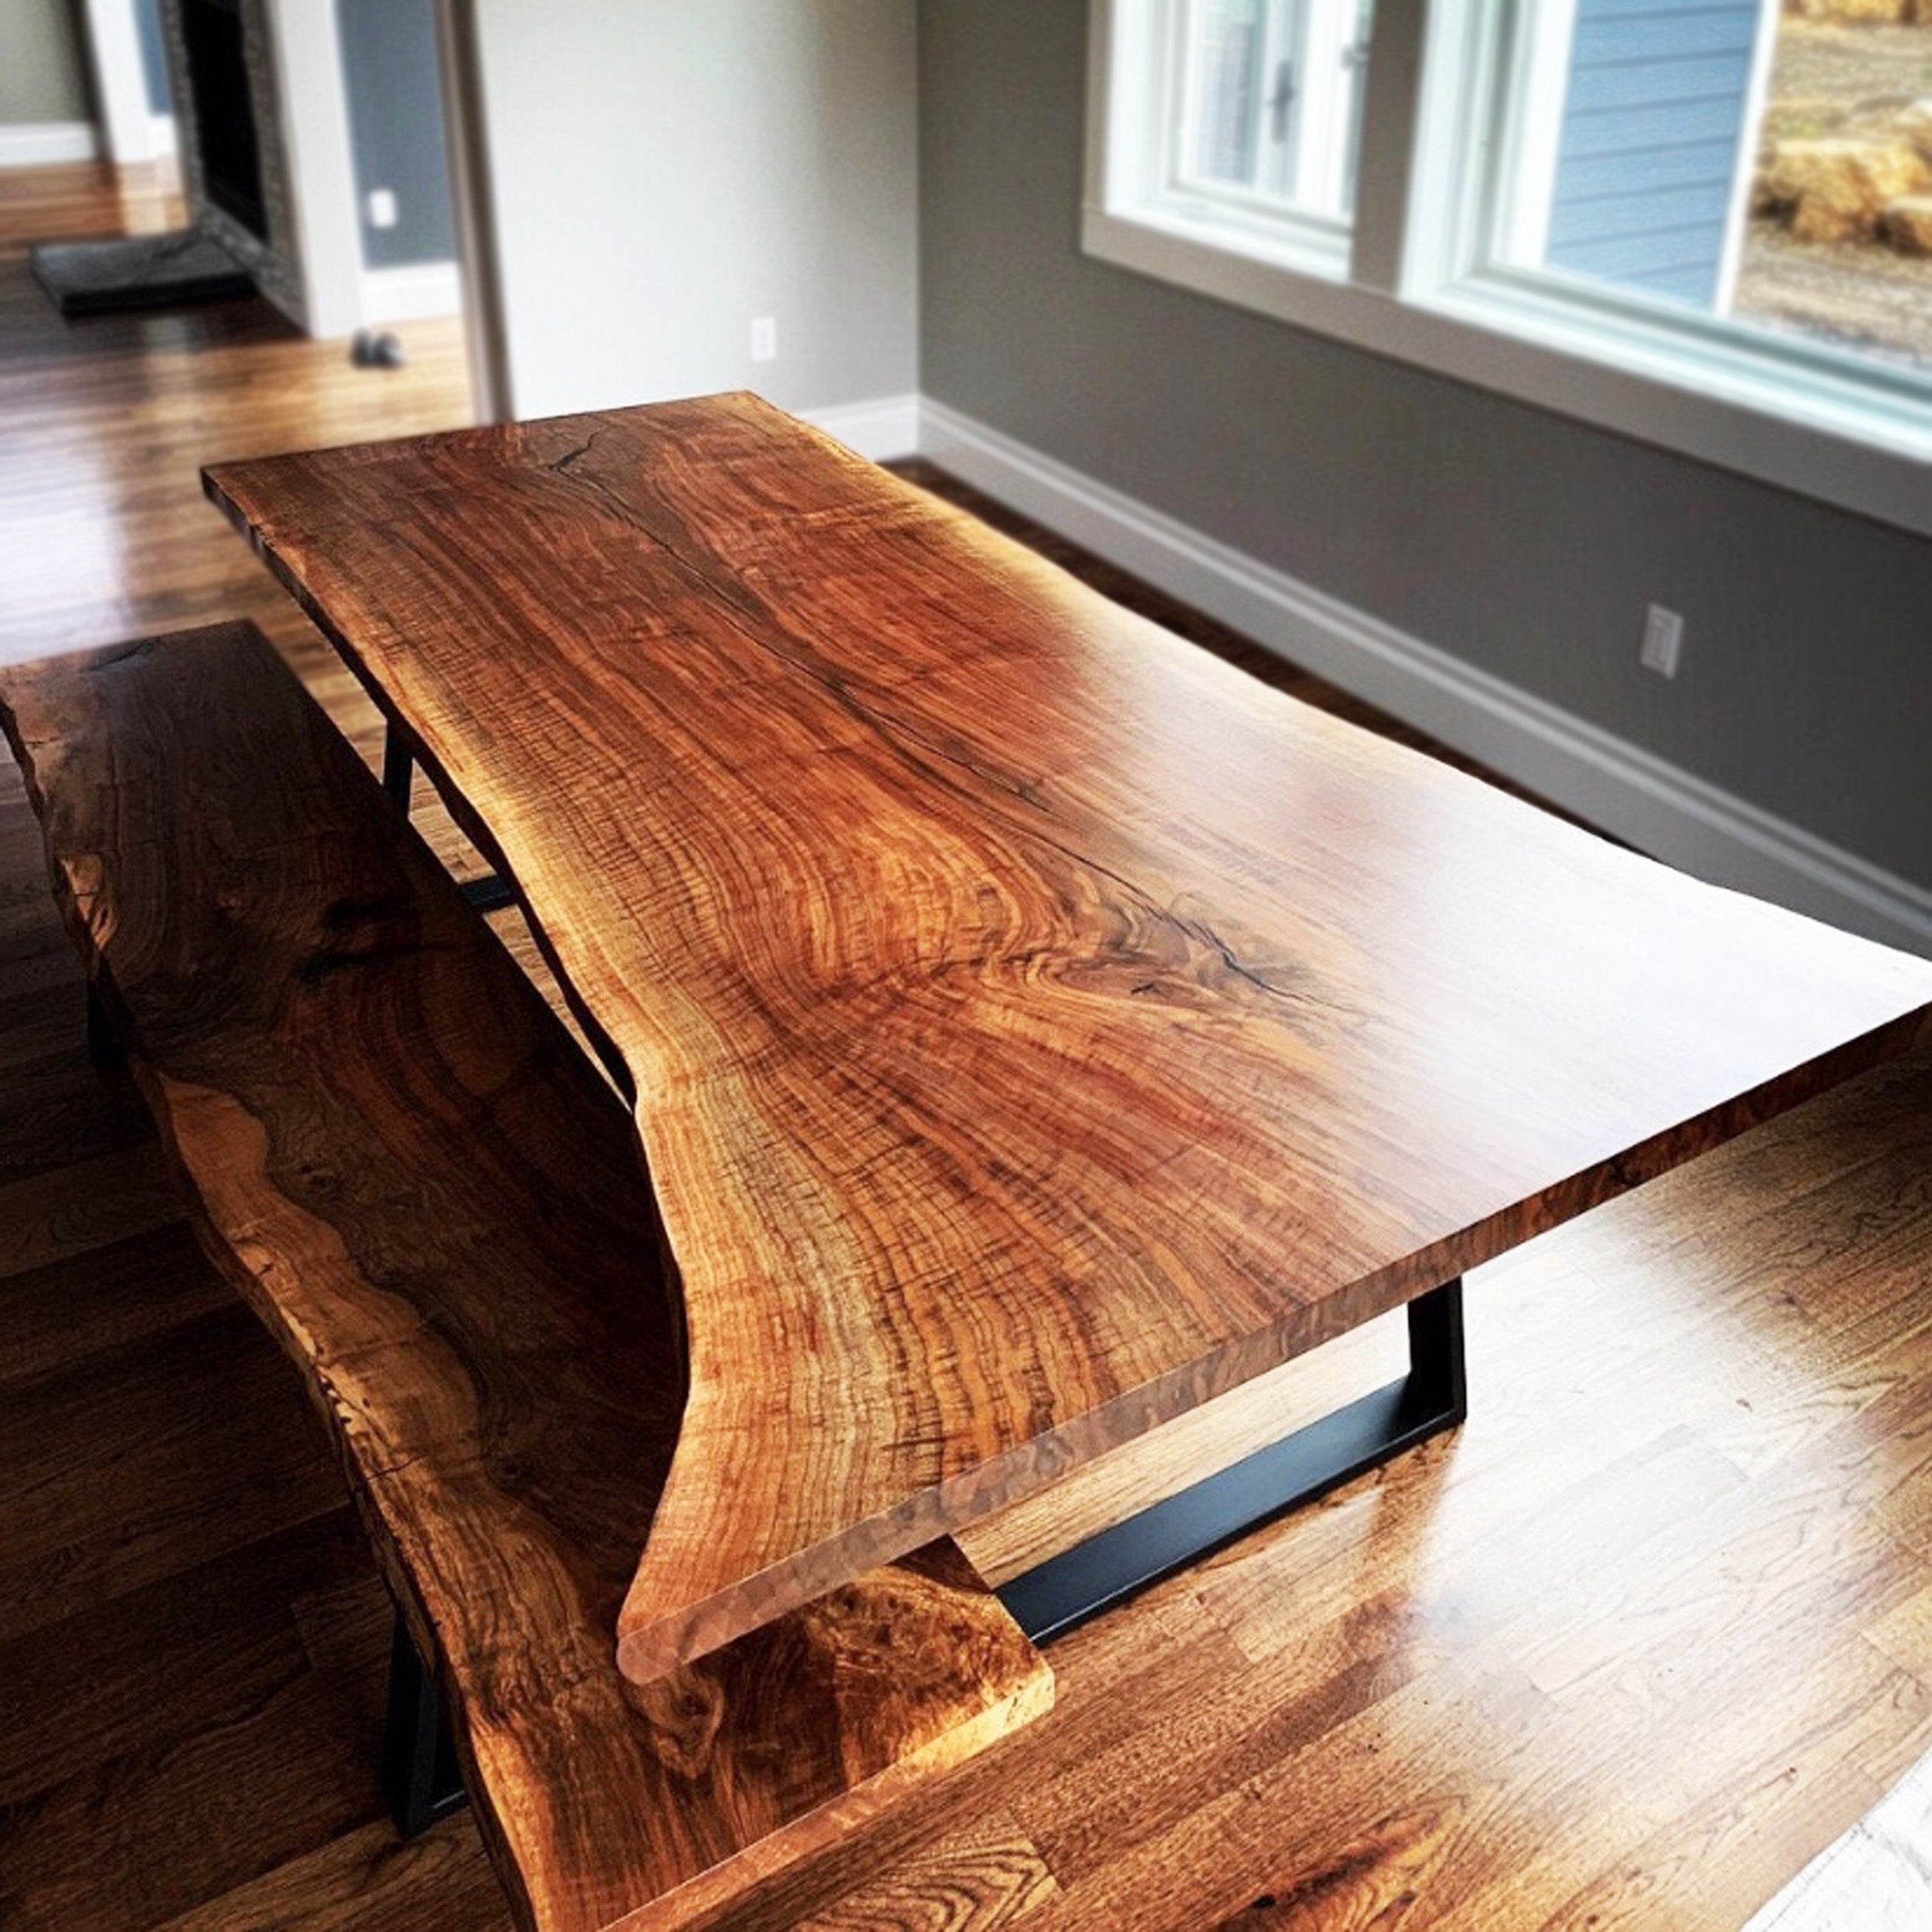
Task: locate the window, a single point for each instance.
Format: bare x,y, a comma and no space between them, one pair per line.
1269,105
1605,206
1731,158
1238,124
1633,137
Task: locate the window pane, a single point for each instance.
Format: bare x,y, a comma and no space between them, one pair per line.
1838,243
1635,128
1272,96
1732,160
1227,65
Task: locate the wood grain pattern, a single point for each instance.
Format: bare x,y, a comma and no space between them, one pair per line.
1037,1029
434,1203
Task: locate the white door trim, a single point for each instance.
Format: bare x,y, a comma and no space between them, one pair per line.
127,121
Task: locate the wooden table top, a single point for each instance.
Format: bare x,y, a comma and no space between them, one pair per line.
1038,1027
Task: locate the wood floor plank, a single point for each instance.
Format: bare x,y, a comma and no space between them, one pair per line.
124,1470
1904,1633
990,1875
89,1843
1715,1854
210,1689
196,1651
366,1880
54,1318
1355,1632
1304,1828
64,1115
40,1020
54,1216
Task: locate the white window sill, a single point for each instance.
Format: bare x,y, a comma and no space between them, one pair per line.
1302,279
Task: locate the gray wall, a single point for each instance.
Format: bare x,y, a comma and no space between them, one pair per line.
396,128
664,171
1524,543
43,63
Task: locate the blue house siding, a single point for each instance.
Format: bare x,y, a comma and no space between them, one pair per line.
1651,123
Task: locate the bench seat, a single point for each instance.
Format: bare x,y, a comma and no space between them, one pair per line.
438,1207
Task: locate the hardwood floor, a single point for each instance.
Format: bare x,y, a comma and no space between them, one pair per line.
1651,1630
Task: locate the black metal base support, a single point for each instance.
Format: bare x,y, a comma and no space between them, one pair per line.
1082,1581
104,1044
421,1779
488,894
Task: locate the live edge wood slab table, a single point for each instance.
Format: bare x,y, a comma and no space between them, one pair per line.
1034,1027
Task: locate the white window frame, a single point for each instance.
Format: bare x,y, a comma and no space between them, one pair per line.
1174,224
1313,166
1413,280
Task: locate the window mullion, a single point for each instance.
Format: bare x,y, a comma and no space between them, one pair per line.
1324,136
1769,20
1388,169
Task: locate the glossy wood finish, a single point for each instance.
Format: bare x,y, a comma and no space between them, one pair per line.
193,1636
434,1202
1036,1030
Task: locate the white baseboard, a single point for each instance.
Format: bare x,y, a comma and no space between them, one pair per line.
416,293
41,143
162,131
881,430
1657,807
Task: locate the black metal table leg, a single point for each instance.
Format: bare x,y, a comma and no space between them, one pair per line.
1068,1589
399,768
488,894
421,1779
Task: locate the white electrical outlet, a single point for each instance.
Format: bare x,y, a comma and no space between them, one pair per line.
382,208
1663,646
764,339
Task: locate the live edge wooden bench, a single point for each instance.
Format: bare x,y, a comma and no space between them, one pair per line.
433,1200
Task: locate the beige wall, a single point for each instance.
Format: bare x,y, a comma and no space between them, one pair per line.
663,172
43,63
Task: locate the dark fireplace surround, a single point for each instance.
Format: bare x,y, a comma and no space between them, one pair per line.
221,60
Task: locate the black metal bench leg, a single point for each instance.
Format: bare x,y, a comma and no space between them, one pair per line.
421,1779
103,1043
1068,1589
